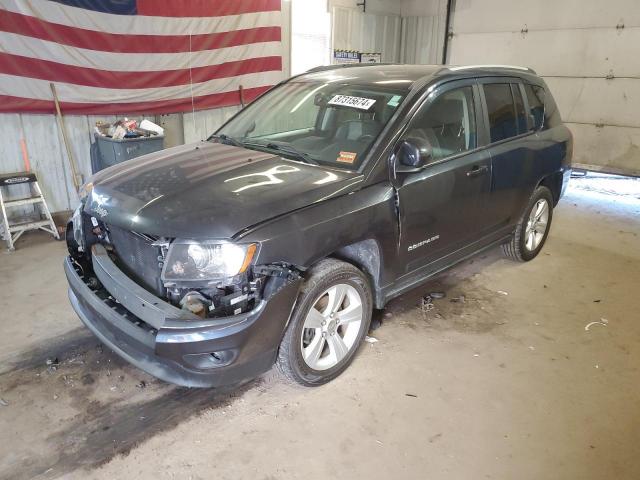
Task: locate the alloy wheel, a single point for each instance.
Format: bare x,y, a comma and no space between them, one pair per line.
331,327
536,225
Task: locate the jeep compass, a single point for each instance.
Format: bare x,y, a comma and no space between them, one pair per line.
329,195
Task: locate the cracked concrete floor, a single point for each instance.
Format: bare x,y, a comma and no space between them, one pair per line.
500,386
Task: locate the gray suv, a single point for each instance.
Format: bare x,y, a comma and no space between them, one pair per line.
330,194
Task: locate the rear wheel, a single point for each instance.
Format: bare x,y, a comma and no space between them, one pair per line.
330,320
533,229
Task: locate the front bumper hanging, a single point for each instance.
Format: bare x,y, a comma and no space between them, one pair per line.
173,344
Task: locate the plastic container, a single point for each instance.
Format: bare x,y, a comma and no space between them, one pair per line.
111,151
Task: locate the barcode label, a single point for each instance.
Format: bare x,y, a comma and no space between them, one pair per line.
360,103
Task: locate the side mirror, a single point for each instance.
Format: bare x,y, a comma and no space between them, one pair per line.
412,154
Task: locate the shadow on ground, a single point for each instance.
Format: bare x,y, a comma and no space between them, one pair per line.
74,404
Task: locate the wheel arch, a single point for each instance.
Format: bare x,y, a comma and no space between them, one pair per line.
553,182
366,255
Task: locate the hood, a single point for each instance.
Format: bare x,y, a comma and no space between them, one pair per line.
209,190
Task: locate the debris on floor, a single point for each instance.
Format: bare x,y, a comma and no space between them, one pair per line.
3,402
603,321
460,299
52,361
502,292
426,304
369,339
411,395
437,295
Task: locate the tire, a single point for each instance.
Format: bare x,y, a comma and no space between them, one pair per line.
309,347
520,248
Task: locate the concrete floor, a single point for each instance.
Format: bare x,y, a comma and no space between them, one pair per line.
508,384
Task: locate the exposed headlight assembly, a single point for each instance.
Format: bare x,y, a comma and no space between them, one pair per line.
210,261
85,191
76,221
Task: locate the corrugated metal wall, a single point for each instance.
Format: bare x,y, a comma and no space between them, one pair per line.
366,32
48,156
422,39
587,52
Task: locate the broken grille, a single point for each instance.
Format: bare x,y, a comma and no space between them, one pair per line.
138,258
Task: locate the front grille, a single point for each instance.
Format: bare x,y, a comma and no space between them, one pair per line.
138,258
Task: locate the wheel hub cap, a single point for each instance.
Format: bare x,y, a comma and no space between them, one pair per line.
332,327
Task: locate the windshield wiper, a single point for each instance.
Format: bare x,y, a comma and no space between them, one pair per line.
227,139
285,148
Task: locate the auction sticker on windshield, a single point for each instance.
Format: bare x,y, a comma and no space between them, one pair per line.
354,102
346,157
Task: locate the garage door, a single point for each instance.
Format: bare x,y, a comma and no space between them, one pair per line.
587,52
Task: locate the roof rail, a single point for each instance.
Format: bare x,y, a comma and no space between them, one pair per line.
506,67
322,68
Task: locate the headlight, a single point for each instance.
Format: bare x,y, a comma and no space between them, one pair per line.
209,261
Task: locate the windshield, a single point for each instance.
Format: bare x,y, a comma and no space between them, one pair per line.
315,122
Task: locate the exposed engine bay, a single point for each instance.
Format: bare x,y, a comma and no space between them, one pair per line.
144,258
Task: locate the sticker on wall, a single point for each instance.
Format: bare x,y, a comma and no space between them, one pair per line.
370,58
346,56
360,103
347,157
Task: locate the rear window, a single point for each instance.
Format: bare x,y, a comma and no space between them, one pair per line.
502,117
535,97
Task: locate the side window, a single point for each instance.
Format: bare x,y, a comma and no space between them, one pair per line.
521,118
448,123
502,117
535,97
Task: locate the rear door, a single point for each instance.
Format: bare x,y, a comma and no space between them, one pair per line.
441,206
512,146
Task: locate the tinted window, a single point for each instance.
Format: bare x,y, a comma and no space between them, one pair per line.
535,97
448,123
521,118
502,118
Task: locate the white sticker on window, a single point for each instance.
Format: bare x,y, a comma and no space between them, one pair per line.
354,102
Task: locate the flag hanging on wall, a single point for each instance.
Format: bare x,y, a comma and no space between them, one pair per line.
137,56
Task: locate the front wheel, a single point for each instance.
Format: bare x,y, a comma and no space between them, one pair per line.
533,229
330,320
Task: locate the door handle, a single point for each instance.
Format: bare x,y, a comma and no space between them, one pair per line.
478,170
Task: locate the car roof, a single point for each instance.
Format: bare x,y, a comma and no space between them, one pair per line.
406,76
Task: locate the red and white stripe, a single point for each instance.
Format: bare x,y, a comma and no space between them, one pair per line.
105,63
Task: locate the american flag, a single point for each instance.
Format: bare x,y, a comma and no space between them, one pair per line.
130,56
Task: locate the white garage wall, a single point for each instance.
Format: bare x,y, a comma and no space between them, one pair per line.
310,35
587,52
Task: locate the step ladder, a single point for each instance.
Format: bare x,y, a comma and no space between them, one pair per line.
11,231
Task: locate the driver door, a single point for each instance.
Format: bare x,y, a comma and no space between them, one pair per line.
441,206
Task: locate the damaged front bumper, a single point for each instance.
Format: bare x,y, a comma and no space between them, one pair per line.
173,344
